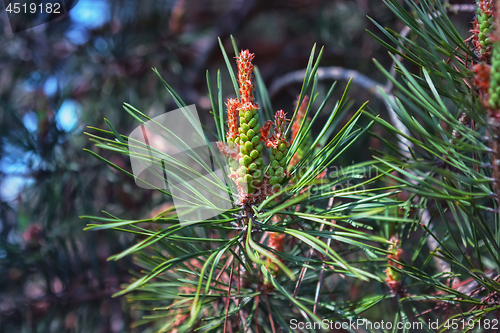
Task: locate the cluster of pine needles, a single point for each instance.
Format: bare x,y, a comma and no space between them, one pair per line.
415,229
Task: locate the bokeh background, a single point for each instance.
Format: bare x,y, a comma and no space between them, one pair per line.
58,78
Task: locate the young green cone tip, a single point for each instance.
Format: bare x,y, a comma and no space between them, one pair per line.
279,150
494,89
483,28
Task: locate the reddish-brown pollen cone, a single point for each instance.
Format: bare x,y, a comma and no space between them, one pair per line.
300,115
393,278
245,68
482,78
483,29
277,241
232,118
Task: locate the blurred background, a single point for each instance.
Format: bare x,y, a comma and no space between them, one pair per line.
58,78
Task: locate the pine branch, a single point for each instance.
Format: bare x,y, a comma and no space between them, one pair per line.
340,73
433,245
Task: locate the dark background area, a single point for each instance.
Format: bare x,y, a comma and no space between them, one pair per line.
58,78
